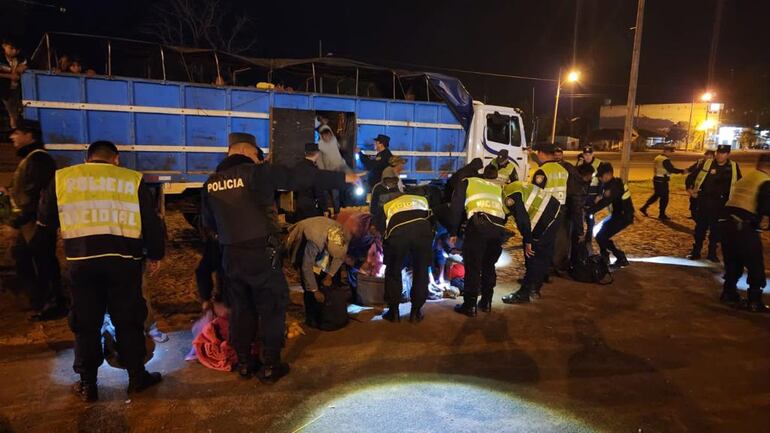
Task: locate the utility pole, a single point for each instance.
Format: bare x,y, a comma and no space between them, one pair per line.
556,108
714,45
631,101
574,66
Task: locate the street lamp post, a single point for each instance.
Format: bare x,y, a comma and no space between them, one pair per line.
572,77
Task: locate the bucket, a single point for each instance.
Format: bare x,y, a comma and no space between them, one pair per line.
371,290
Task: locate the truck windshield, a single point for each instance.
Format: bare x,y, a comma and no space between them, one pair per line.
503,129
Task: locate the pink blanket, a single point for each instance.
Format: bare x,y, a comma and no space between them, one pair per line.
212,346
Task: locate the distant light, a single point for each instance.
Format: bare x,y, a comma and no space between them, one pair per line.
573,76
402,176
757,126
706,97
715,107
706,125
359,191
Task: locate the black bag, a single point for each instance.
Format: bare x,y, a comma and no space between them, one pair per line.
590,268
334,311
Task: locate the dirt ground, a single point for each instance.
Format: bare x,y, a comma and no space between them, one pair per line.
654,352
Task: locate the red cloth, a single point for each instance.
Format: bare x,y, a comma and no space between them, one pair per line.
212,348
457,270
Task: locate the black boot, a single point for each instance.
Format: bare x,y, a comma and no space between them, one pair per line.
416,315
468,307
521,296
270,374
140,381
392,315
664,217
643,210
620,259
695,252
86,390
755,303
485,304
730,297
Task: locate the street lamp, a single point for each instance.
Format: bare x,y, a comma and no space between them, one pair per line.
707,96
572,77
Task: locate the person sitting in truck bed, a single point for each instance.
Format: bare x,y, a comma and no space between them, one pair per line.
375,165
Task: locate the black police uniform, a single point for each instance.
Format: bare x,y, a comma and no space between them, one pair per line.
571,226
592,191
106,275
742,248
375,165
615,194
408,235
542,238
34,251
660,187
482,246
714,193
238,204
310,201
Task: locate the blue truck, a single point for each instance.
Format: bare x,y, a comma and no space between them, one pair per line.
175,132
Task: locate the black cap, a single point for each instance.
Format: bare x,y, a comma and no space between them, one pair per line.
724,148
503,153
558,149
241,137
382,138
27,125
544,146
311,147
588,149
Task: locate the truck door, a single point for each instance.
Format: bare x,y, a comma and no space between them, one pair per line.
289,131
503,131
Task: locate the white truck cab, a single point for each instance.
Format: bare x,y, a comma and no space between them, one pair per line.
493,129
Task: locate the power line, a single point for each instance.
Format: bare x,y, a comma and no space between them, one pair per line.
466,71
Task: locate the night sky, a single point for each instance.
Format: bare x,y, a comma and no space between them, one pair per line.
518,37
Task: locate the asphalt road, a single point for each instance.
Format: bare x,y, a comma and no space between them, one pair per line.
652,352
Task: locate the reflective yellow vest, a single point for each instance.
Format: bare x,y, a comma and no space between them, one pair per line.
594,187
504,173
705,171
98,199
404,203
484,196
746,191
535,199
556,180
660,170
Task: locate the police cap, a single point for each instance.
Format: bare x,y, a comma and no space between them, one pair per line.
241,137
724,148
384,139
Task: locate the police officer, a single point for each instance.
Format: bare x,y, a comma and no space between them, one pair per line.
663,170
109,225
552,179
375,165
310,201
408,232
714,180
741,243
570,231
594,188
34,251
689,181
617,197
237,204
506,170
480,201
